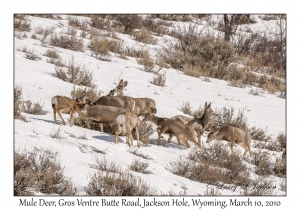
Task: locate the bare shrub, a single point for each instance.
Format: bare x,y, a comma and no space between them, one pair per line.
52,53
75,74
212,165
225,116
104,165
101,21
71,31
139,166
56,134
208,54
82,137
138,153
259,134
146,61
256,92
32,108
21,23
236,83
17,101
145,130
67,42
144,36
281,140
159,80
127,22
118,183
132,52
41,171
74,22
280,167
154,26
31,55
102,47
262,162
92,93
186,108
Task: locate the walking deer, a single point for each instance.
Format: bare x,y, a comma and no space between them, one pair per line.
63,104
126,122
234,136
176,128
197,124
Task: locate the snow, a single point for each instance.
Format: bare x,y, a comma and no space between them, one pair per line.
39,83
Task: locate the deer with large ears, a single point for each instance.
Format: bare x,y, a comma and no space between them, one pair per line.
126,122
233,135
181,131
63,104
120,87
138,105
197,124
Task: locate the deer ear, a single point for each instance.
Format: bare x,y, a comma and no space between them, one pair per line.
205,105
121,82
216,131
153,111
125,83
209,105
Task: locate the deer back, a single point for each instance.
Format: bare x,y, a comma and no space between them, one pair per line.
102,113
116,101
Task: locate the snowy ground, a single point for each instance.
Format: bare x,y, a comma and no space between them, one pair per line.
39,83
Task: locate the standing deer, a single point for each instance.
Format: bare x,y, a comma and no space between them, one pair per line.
126,122
120,87
63,104
234,136
142,105
101,114
176,128
197,124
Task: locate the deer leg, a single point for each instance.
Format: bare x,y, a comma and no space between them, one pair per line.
199,138
179,143
161,132
137,136
170,137
245,147
128,138
118,131
231,146
185,141
59,114
71,118
54,113
101,127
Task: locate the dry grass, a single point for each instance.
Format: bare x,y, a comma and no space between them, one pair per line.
39,170
139,166
29,107
212,165
147,62
67,42
138,153
111,180
75,74
186,108
21,23
159,80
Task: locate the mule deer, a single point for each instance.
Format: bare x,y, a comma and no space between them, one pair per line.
197,124
126,122
176,128
120,87
234,136
142,105
63,104
101,114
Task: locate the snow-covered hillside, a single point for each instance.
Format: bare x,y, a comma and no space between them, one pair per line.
39,84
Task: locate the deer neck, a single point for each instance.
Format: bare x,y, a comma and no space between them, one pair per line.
205,119
155,119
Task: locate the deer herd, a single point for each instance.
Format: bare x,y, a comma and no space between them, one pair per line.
125,112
